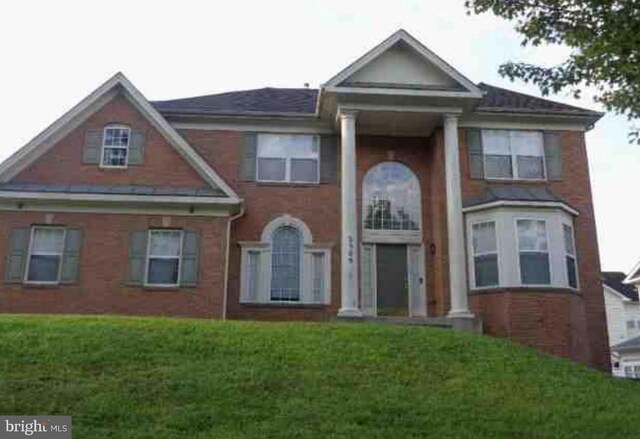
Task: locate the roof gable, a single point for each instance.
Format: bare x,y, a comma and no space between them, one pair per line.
402,62
614,281
634,275
90,105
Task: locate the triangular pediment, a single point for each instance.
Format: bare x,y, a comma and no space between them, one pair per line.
402,63
115,86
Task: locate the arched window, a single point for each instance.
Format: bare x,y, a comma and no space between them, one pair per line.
391,198
285,264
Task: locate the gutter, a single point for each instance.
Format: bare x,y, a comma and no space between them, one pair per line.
226,263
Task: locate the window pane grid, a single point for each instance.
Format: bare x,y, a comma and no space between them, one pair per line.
513,154
485,251
317,286
534,256
164,253
288,158
285,264
46,249
115,146
391,198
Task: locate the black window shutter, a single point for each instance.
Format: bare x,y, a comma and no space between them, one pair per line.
249,154
328,159
476,159
553,155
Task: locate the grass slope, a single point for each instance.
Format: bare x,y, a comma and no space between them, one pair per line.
163,378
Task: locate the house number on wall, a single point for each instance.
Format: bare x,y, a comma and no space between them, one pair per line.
350,252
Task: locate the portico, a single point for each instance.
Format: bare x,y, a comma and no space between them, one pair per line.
400,88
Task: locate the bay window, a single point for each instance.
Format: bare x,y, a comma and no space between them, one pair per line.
521,247
570,255
485,254
533,252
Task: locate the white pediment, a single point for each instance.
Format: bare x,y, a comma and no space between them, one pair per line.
402,63
401,66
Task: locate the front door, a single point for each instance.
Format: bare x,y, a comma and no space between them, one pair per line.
392,280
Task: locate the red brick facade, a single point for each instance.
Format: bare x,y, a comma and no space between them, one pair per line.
571,325
102,285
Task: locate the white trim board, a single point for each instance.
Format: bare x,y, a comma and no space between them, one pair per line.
634,275
89,105
534,204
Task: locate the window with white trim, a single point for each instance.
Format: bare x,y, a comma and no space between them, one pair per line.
570,255
533,252
513,155
115,146
520,247
485,254
286,266
163,258
293,158
46,249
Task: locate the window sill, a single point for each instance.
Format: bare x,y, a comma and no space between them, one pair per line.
286,184
526,289
516,181
283,305
41,286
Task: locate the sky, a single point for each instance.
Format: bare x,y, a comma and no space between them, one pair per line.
55,53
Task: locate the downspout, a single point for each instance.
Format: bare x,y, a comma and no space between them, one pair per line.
226,264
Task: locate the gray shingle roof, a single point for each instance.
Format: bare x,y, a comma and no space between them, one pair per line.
627,345
124,189
613,279
503,100
511,192
262,100
302,101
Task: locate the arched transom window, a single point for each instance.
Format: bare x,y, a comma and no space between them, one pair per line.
391,198
285,264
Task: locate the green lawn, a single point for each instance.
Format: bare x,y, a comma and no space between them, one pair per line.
164,378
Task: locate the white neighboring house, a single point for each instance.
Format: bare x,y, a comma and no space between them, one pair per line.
623,324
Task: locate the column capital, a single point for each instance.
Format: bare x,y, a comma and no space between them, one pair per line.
451,117
347,114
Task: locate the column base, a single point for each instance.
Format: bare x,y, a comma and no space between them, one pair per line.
465,321
350,313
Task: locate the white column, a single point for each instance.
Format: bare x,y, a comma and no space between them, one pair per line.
455,227
349,249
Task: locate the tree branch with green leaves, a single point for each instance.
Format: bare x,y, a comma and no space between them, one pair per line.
604,38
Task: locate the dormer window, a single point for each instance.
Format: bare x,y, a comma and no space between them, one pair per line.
115,146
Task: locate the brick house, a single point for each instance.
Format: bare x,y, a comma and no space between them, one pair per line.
399,188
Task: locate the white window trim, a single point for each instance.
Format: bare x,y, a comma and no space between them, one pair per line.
148,259
505,219
574,256
548,252
104,137
473,254
514,162
30,254
287,168
263,248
